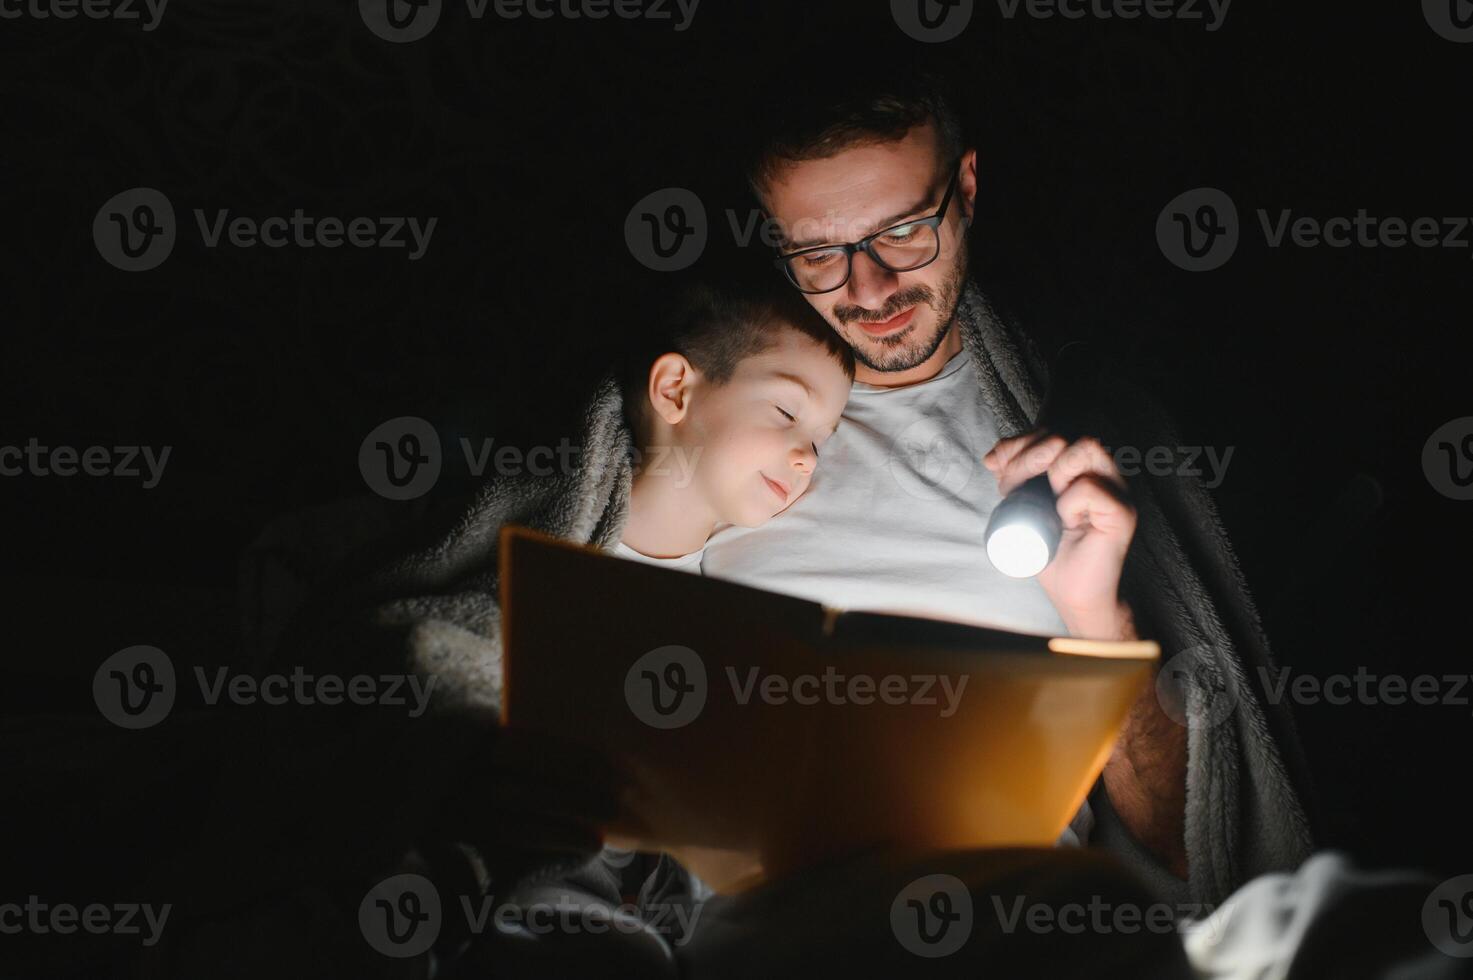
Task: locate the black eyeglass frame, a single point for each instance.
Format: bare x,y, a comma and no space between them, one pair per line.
866,244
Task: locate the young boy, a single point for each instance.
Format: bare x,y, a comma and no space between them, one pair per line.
724,414
721,421
730,417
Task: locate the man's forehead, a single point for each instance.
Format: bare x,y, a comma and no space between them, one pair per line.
852,193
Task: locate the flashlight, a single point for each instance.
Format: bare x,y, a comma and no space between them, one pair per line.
1024,530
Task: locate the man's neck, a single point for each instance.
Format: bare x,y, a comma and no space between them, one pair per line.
924,371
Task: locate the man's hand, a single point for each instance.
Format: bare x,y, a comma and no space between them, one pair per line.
1145,776
1083,580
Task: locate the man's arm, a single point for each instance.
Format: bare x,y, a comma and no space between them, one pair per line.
1146,775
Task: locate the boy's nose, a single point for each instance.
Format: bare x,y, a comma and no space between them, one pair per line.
804,459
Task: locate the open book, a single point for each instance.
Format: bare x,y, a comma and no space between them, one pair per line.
761,733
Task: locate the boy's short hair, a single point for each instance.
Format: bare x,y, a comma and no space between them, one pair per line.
718,324
812,122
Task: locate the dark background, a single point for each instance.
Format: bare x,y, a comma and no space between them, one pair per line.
1326,369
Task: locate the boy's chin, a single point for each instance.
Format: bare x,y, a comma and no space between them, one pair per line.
755,515
752,514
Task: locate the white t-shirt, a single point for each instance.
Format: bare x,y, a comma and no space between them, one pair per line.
894,517
682,563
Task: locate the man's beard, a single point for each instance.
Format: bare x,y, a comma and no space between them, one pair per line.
903,350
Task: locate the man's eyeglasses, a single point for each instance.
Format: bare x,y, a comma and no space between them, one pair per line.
905,247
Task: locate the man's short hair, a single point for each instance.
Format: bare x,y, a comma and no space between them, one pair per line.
717,324
812,122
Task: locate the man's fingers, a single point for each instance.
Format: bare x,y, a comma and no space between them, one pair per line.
1027,457
1001,455
1094,501
1082,456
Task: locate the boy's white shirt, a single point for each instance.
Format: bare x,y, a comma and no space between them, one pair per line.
893,520
681,563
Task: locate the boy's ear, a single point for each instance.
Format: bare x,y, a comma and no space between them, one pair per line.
671,379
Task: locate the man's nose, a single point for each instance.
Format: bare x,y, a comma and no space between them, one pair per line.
870,284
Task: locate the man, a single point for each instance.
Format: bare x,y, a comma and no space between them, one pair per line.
874,193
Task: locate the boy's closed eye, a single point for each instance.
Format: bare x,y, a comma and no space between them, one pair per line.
792,418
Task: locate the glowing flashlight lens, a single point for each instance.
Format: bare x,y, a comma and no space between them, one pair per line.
1017,550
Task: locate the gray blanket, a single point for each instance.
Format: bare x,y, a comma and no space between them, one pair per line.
435,609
